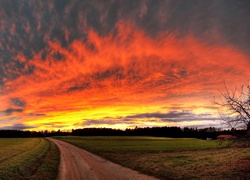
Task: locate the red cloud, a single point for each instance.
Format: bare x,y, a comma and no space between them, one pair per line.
125,68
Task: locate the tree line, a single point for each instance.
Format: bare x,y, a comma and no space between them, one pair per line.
174,132
20,134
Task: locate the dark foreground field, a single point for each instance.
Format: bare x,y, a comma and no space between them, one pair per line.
168,158
28,158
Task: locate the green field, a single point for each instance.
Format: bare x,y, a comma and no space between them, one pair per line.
168,158
28,158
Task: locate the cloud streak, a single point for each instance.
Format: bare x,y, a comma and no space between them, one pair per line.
17,127
10,111
181,118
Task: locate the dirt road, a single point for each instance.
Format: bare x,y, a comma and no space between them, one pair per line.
79,164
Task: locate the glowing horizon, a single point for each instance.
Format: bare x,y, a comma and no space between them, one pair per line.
75,72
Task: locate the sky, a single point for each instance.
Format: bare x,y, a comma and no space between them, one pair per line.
119,63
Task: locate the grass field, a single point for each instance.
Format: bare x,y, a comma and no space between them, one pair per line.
168,158
28,158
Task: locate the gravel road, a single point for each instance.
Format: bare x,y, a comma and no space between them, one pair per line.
76,164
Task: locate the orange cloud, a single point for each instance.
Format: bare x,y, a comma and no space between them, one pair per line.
122,73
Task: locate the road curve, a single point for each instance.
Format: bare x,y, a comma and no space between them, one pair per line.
79,164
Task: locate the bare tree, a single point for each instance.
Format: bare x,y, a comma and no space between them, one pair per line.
234,109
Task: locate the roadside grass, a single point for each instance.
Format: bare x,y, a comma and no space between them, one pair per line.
138,143
168,158
28,158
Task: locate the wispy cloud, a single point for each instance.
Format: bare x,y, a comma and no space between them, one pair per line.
18,127
10,111
152,119
36,114
174,116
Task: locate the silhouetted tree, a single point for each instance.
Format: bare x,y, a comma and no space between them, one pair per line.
234,109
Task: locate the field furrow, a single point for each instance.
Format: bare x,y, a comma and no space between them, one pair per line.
31,170
18,150
22,158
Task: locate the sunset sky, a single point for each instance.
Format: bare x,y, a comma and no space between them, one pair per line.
119,63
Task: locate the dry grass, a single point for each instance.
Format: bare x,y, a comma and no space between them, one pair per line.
204,164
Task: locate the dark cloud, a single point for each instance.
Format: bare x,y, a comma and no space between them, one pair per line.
27,26
105,120
88,122
173,116
1,81
17,102
18,127
4,119
176,116
10,111
79,87
182,106
36,114
112,72
105,100
54,124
